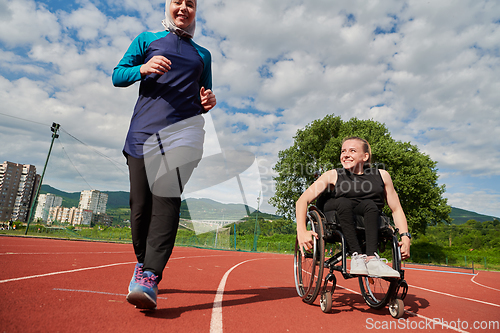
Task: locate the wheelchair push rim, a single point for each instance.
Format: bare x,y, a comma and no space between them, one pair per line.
308,268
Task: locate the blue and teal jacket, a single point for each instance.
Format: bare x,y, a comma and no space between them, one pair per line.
163,99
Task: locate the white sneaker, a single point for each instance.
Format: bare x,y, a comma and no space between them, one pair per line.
377,267
358,264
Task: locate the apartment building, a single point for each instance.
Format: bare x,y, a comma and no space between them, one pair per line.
91,210
102,219
93,200
18,183
45,202
73,216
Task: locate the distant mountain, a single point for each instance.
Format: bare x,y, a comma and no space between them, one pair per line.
209,209
69,199
212,210
118,199
460,216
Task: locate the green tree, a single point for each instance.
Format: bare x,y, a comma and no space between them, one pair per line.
317,148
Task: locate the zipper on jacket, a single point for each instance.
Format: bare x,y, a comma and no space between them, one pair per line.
179,41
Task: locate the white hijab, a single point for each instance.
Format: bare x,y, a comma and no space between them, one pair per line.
169,24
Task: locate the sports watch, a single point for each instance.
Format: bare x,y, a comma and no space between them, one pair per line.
407,234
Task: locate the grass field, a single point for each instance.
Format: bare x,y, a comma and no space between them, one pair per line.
423,252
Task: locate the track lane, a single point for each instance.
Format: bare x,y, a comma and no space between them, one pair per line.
258,295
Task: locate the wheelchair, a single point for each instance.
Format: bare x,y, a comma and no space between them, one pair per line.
314,271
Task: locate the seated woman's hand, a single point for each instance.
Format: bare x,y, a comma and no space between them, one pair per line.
305,240
404,244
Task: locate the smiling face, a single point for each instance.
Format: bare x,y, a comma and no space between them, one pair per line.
353,155
183,12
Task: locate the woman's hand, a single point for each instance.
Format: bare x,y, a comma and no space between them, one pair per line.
156,65
208,100
405,247
305,240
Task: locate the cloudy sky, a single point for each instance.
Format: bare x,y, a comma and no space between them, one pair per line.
429,70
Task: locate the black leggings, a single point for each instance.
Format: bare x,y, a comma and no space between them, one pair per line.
346,209
154,219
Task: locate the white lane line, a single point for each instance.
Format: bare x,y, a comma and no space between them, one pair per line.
437,292
216,320
482,285
58,253
89,291
438,271
212,255
437,322
85,269
95,292
64,272
352,291
455,296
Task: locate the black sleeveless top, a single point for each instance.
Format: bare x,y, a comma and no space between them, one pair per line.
368,185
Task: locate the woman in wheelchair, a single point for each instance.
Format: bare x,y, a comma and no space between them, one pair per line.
356,189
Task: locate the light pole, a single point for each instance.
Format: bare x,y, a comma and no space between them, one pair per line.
255,236
54,128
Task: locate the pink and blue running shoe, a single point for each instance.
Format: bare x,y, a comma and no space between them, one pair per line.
136,277
144,294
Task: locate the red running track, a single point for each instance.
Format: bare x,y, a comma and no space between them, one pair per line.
74,286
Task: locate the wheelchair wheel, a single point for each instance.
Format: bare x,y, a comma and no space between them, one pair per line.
396,308
378,291
308,268
326,302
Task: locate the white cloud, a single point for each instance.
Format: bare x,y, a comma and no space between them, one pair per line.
26,22
88,21
483,202
430,73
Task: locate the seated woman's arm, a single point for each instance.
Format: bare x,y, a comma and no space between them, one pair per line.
304,236
398,214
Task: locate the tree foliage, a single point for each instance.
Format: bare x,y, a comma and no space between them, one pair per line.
317,148
471,235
